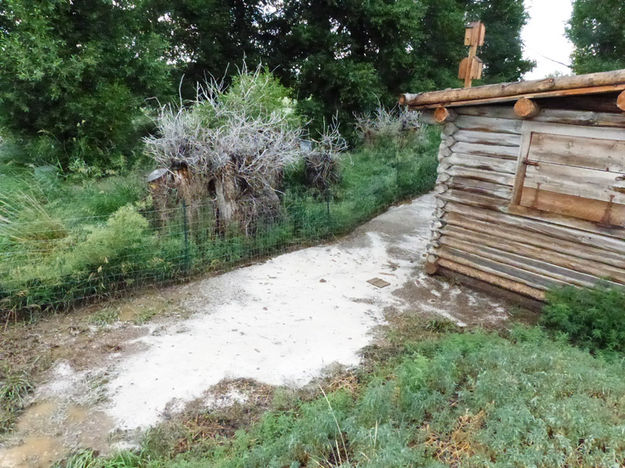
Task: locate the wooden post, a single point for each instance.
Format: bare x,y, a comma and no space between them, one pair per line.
526,108
471,67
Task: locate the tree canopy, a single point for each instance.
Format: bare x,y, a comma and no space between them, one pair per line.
74,75
597,32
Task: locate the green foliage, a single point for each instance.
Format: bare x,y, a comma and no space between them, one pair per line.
66,241
469,399
74,75
502,52
89,459
207,37
255,94
260,94
14,388
591,317
347,57
596,30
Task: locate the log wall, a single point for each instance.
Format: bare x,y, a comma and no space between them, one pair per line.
476,231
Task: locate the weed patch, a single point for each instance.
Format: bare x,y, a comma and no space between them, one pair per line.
15,386
590,317
460,399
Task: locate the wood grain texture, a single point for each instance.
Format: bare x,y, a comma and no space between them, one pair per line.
566,117
579,84
526,108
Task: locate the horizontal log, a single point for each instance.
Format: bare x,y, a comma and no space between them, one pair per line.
567,117
488,138
573,246
558,258
546,269
523,88
504,283
483,162
489,124
509,152
472,199
509,272
480,174
480,187
567,229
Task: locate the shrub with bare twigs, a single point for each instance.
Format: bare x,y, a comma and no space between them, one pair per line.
395,123
230,146
322,161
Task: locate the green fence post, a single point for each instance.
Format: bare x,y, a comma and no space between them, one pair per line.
185,225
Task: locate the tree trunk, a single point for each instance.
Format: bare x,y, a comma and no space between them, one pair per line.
226,193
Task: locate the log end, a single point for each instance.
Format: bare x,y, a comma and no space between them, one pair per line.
526,108
442,115
620,101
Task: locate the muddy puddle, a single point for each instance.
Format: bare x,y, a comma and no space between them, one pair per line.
49,429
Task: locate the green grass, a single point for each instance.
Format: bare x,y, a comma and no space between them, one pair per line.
14,388
459,399
65,240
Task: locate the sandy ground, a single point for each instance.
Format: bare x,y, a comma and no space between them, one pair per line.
281,322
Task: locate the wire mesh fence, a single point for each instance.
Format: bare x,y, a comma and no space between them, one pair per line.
49,263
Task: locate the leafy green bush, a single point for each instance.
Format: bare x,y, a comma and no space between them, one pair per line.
74,76
591,317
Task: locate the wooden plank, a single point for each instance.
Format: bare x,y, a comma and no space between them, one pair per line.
576,181
508,152
573,246
521,168
496,280
489,124
526,264
509,272
583,232
596,269
567,117
597,211
488,138
486,163
592,153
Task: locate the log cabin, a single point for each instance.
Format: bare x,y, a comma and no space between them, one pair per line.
531,182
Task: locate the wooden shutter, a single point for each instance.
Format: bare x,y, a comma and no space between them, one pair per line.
572,171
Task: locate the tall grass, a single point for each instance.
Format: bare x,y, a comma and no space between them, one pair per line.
62,242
